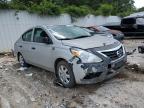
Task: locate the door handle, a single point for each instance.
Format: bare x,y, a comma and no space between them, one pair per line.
20,46
33,48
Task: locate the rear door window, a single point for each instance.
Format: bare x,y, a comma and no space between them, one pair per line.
27,36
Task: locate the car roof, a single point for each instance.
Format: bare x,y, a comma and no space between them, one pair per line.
49,26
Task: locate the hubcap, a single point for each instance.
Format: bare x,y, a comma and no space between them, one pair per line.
21,60
64,74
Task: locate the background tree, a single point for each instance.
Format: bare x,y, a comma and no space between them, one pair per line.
3,4
73,7
105,10
123,7
140,9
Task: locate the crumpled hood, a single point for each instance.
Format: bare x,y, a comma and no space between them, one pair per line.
90,42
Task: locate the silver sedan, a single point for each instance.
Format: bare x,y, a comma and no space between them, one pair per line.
72,53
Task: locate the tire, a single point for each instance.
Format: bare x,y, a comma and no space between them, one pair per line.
65,74
22,61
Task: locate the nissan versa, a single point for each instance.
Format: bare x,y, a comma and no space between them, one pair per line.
75,55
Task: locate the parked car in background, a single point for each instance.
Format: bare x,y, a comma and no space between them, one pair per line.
133,26
118,35
72,53
93,32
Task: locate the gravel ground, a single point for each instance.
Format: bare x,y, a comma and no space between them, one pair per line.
34,88
135,58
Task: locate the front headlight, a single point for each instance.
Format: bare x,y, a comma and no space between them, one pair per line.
86,57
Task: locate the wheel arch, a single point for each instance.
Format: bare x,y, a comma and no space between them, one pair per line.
57,61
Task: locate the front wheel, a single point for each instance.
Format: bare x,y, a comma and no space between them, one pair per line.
65,74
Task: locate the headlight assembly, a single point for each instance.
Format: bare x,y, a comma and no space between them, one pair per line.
86,57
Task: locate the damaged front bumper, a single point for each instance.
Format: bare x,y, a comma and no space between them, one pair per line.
90,73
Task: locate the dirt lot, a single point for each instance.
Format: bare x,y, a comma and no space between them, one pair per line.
34,87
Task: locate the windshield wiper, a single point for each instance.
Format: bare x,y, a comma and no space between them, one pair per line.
66,39
84,36
75,37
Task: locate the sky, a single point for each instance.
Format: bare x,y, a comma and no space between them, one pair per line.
139,3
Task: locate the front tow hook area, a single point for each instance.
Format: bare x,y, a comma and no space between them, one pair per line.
92,75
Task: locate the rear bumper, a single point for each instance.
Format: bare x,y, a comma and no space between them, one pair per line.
97,72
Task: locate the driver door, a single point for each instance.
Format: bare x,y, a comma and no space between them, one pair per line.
41,52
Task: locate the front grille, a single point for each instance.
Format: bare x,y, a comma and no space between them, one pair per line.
114,54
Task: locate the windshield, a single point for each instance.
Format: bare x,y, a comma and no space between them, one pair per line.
102,29
89,30
69,32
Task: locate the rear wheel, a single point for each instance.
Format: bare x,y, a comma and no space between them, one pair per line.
22,61
65,74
